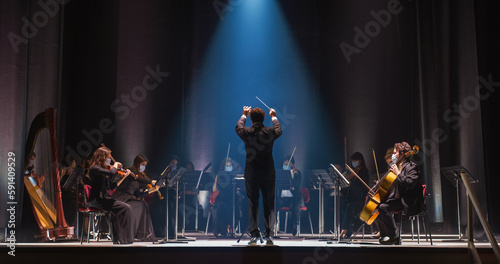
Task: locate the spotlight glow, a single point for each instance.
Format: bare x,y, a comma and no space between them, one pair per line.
252,53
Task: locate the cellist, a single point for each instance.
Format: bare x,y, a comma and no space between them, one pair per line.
406,194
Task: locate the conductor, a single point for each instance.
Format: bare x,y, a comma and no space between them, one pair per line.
260,173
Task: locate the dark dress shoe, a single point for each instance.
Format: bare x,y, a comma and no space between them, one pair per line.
389,240
253,241
269,241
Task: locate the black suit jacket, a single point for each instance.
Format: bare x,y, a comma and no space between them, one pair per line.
259,141
409,188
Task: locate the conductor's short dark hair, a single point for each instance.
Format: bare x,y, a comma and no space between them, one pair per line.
257,115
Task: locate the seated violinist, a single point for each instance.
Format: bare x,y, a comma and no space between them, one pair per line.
292,198
103,178
222,197
131,190
405,194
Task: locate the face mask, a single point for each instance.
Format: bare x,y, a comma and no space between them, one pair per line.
394,158
229,168
174,167
142,168
107,162
286,167
355,164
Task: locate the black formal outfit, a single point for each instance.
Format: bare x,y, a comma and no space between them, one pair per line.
102,181
407,195
130,191
260,173
354,198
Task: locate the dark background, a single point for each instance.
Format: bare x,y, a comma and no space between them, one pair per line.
405,84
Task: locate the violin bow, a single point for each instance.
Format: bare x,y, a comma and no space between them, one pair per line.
345,149
376,166
113,159
355,174
227,155
290,160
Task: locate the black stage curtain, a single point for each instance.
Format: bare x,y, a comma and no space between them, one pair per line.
30,80
380,79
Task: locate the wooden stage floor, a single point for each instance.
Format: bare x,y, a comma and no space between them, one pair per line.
287,249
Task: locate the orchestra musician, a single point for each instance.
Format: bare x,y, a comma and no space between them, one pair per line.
29,169
103,178
292,198
131,191
69,192
405,195
354,195
260,174
221,209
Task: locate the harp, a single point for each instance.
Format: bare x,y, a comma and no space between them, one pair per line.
46,197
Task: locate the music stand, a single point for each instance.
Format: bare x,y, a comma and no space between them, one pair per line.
283,182
340,182
190,182
323,181
172,179
453,174
238,182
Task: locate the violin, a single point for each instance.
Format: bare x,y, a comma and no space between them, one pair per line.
161,180
215,191
379,192
122,172
152,189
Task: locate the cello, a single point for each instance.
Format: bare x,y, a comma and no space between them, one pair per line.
379,192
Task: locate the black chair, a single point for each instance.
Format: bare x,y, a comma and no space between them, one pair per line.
420,216
94,215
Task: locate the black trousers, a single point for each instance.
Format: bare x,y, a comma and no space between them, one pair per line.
266,185
385,219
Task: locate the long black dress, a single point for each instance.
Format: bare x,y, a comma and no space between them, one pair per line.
130,192
122,214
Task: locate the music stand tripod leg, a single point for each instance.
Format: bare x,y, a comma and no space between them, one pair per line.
242,234
351,238
250,235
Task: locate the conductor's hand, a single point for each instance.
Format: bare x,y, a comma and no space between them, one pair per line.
272,113
246,110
